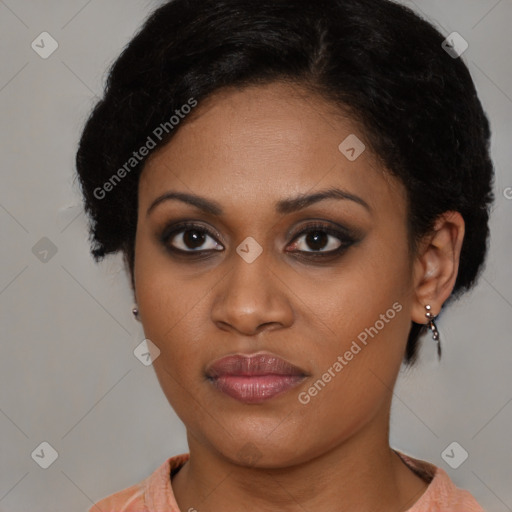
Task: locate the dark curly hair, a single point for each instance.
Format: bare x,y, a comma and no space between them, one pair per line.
376,59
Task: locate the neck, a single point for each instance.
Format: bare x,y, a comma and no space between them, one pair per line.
360,474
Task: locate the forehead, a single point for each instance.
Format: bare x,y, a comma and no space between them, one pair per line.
263,143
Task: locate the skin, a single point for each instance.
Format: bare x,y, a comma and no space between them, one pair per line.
248,149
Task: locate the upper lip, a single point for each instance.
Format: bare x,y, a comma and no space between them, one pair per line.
250,365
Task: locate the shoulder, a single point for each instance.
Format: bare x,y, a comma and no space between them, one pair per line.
442,495
127,500
146,496
131,498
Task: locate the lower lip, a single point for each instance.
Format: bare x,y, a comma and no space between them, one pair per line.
256,388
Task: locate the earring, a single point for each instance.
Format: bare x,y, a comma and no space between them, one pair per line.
433,327
135,312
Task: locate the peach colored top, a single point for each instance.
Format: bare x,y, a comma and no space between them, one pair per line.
154,494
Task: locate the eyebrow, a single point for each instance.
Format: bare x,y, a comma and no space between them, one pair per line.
284,206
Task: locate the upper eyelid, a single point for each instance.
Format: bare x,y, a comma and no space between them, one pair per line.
179,227
317,224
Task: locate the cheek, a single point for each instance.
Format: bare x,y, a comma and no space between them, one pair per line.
160,305
172,320
366,297
174,312
366,315
355,375
163,295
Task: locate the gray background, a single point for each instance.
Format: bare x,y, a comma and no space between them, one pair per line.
69,376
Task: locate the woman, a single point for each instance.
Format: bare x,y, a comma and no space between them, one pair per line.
297,194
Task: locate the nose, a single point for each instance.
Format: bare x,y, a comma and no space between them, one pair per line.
252,298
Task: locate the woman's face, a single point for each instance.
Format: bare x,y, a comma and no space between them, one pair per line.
324,284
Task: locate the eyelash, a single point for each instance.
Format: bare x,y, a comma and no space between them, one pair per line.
344,237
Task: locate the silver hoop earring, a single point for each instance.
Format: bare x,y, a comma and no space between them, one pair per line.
135,312
433,327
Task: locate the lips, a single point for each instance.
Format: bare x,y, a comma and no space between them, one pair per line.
254,379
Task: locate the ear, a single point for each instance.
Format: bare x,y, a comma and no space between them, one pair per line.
436,265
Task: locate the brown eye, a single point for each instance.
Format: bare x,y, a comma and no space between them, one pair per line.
190,238
319,239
